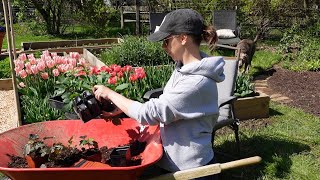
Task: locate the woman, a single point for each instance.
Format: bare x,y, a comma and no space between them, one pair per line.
187,110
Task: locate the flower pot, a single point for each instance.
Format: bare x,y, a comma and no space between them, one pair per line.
120,156
2,34
56,102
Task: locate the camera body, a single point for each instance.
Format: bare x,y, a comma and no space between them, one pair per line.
87,107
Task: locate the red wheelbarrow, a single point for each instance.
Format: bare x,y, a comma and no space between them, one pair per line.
106,133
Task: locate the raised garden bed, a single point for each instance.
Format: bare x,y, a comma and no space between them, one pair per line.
26,46
252,107
6,84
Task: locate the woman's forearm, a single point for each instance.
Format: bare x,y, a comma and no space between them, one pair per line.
120,101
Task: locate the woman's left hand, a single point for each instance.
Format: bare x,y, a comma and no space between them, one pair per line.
101,92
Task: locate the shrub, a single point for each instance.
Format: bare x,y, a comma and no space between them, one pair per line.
136,51
301,48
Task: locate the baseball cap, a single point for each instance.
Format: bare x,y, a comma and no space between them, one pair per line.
179,21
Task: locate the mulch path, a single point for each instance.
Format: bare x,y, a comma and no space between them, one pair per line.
302,87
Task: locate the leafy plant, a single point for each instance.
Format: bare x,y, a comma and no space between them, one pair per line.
35,145
136,51
37,109
89,142
5,70
244,86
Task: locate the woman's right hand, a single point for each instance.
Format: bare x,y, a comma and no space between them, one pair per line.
101,92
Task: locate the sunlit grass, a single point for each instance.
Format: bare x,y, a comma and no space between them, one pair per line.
289,146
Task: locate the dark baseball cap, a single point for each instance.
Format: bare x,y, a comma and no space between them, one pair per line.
179,21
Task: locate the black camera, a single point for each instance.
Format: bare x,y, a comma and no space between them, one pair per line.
87,107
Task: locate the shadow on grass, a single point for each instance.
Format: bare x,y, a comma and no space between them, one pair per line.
273,112
261,71
275,154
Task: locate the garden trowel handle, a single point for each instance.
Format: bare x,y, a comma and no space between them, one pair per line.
208,169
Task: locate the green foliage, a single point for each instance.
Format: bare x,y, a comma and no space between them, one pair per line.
5,69
244,86
90,142
301,48
156,77
136,51
69,86
97,16
37,109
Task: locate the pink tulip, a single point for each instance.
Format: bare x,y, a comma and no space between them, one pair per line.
53,54
112,80
105,69
34,69
29,71
45,75
133,77
41,65
75,55
21,84
46,53
22,57
55,72
113,73
28,65
23,74
117,68
81,73
140,73
82,62
126,68
50,63
94,70
73,62
120,74
33,61
30,56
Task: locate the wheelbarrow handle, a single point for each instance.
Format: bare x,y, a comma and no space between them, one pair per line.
208,169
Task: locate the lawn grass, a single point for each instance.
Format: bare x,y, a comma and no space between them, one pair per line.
289,146
23,34
262,61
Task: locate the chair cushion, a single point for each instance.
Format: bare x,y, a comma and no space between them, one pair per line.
225,33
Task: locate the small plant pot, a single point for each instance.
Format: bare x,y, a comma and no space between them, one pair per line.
84,163
95,157
56,102
120,156
35,162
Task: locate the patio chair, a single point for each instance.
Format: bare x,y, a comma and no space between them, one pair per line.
225,22
226,99
155,19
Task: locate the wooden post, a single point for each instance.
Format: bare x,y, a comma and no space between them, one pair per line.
11,30
121,17
137,2
10,39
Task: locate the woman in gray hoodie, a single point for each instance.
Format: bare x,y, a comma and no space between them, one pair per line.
188,108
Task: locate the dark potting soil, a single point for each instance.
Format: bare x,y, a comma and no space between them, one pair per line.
70,156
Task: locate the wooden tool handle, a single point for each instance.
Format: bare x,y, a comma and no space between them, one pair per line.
241,162
208,169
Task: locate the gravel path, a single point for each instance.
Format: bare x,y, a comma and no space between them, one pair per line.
8,111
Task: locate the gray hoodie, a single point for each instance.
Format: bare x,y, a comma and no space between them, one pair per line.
186,111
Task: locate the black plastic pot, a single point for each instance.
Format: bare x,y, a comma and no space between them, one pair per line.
57,103
120,156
